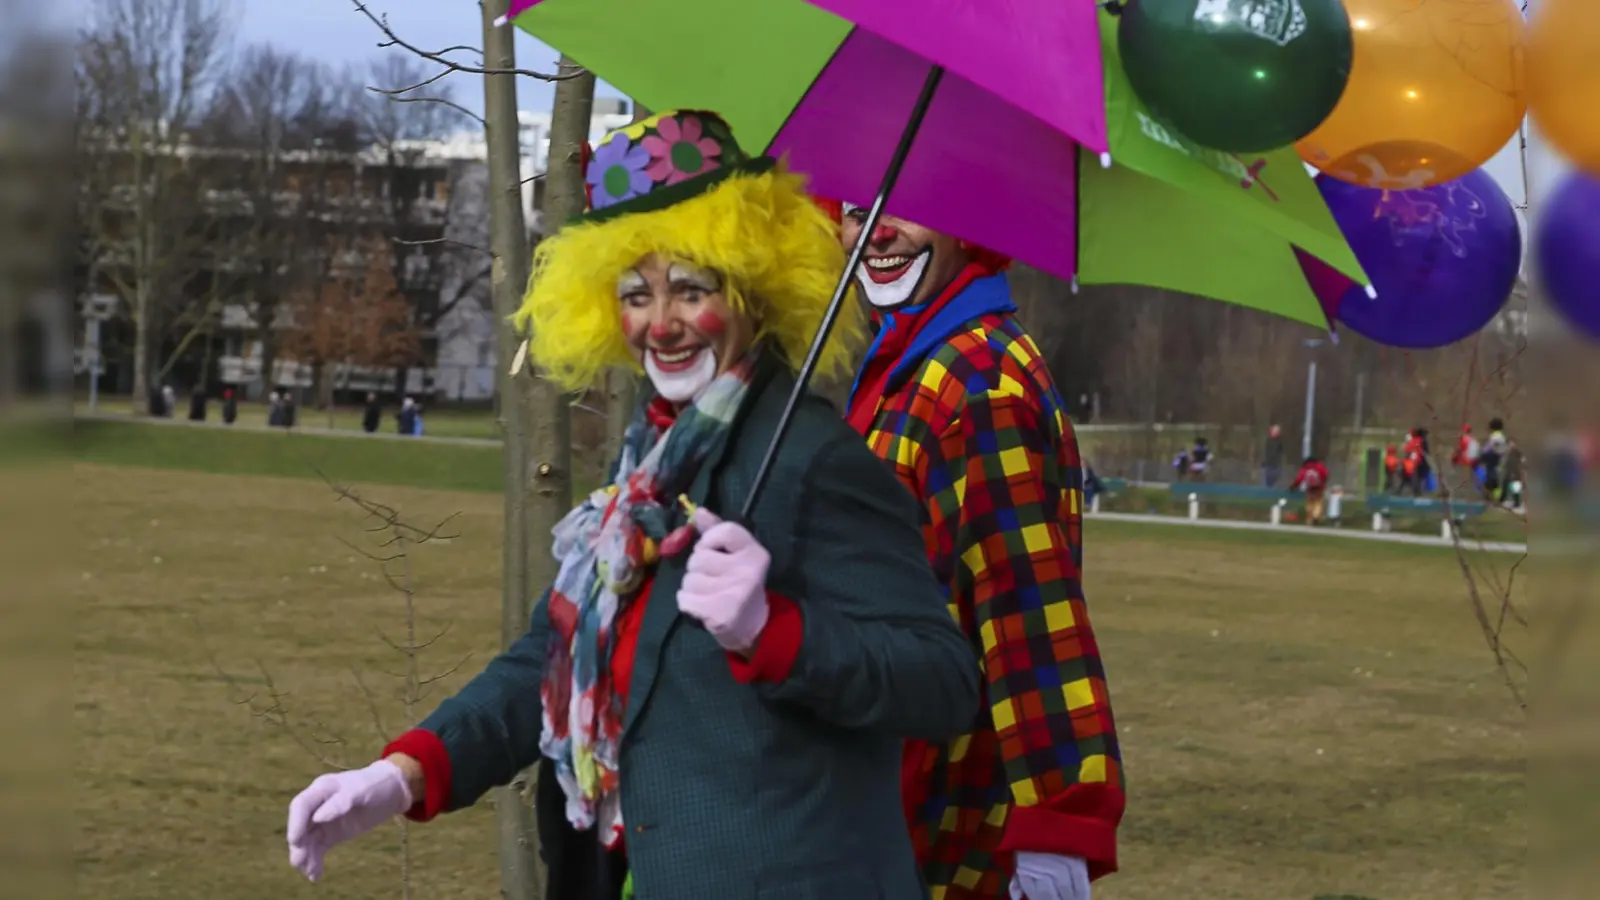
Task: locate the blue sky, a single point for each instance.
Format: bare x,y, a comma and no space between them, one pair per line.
333,31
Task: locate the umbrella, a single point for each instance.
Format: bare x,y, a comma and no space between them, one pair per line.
974,115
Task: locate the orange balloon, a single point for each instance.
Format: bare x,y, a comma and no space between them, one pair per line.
1436,89
1564,78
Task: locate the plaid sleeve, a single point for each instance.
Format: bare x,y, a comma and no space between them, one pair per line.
1018,544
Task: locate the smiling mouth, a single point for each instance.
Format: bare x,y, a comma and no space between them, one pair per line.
887,269
675,360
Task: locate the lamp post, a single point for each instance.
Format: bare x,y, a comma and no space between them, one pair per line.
1311,398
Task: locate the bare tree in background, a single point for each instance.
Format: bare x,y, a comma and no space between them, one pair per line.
405,104
144,71
290,134
353,317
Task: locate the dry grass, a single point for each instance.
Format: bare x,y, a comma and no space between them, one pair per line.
1301,717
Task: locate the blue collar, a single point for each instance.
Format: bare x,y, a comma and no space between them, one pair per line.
986,296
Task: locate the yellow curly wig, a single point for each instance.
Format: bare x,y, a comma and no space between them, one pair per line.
778,251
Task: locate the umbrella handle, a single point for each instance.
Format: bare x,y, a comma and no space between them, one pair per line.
803,378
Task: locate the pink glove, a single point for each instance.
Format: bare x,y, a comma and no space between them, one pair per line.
342,805
725,583
1050,876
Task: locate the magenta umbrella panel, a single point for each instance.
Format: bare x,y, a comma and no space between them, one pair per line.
1443,260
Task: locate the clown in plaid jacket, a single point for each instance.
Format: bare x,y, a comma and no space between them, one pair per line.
955,396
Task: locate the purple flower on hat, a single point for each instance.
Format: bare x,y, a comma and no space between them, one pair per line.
617,172
679,150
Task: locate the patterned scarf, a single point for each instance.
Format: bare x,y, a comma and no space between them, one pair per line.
607,547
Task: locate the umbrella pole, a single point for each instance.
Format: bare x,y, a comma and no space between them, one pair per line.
842,290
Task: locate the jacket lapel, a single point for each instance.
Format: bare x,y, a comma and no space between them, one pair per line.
661,615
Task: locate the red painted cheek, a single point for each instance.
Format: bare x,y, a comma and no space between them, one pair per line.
710,324
633,327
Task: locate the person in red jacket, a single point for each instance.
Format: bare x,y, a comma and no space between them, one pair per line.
1313,480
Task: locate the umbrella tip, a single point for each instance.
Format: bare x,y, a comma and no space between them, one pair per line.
1372,292
1074,284
1105,160
1333,335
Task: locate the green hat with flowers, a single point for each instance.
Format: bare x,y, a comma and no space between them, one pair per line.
661,161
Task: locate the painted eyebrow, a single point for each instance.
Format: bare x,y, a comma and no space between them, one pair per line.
679,274
630,281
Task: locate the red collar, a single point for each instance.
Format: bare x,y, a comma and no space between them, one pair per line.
661,413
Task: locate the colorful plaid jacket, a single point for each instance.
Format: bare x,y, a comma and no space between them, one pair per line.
973,425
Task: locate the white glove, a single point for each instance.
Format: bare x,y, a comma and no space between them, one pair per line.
342,805
1050,876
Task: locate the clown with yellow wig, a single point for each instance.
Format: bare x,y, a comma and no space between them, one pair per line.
717,707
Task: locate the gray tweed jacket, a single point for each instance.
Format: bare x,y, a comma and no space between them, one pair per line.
787,791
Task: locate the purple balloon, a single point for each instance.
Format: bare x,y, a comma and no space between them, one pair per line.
1567,251
1442,259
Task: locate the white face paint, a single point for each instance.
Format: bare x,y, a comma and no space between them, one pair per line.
890,281
682,385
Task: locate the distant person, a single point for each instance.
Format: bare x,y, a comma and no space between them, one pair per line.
1313,481
197,405
406,419
230,406
1391,469
1199,459
1411,459
286,410
416,421
274,410
1512,479
1180,465
1272,457
1091,484
169,401
1493,457
372,417
1427,479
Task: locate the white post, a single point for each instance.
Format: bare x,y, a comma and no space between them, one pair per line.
1377,521
1194,506
1094,505
1445,531
92,348
1277,512
1311,407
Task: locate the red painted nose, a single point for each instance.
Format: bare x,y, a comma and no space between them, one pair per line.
884,234
661,332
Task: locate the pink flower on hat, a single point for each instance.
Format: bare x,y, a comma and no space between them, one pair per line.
679,150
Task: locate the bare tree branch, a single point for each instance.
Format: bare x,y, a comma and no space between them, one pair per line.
438,56
439,100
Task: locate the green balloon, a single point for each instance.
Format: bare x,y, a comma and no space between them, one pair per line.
1242,76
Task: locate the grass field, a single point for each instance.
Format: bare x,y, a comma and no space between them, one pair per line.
442,421
1300,717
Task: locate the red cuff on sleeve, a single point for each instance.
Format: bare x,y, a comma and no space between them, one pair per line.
426,748
776,649
1080,821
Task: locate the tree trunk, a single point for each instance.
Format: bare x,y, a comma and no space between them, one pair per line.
521,874
142,291
550,447
622,385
